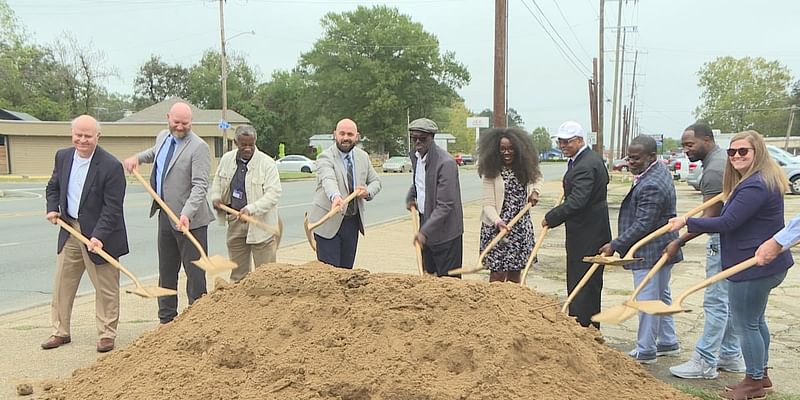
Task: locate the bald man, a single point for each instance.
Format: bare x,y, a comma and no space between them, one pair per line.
86,190
341,170
180,176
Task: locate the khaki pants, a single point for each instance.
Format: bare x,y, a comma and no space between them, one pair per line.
70,264
243,253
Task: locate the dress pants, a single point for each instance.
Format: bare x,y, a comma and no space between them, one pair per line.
174,250
440,258
587,302
340,250
242,252
70,264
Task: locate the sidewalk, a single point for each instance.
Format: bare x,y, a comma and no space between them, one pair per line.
387,248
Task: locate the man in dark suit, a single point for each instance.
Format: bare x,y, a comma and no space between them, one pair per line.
86,190
342,169
648,206
436,192
180,176
585,214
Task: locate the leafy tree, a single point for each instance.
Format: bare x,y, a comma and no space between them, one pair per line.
513,117
157,81
456,125
205,85
671,145
372,64
86,70
744,93
11,33
541,139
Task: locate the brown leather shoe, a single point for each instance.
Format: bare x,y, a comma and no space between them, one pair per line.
55,341
105,345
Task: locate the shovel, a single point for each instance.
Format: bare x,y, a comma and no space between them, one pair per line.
536,248
417,246
310,227
213,264
250,220
580,286
616,261
140,290
621,312
490,245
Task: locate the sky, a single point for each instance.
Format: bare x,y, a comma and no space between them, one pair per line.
674,39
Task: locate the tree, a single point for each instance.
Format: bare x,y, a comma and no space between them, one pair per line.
205,85
512,116
372,64
744,93
86,70
456,125
157,81
541,139
11,33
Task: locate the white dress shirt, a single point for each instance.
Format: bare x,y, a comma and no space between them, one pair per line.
419,181
77,177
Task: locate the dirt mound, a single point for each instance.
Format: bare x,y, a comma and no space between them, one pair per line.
315,332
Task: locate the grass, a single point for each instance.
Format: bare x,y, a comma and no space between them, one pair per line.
24,327
296,175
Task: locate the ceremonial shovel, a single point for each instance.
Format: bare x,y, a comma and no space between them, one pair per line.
310,227
146,292
212,265
536,247
250,220
417,246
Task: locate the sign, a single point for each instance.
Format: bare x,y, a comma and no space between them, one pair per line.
659,138
224,124
591,139
477,122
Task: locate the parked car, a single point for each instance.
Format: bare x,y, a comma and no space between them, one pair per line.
681,167
620,165
397,164
789,164
694,177
296,163
466,159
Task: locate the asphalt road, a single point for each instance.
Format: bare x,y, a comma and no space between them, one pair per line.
28,241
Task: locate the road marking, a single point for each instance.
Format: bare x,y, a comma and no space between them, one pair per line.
10,244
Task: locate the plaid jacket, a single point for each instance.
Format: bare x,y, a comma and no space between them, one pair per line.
648,206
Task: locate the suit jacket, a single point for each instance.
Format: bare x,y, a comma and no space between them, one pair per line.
648,206
332,179
752,215
186,184
100,211
444,216
584,210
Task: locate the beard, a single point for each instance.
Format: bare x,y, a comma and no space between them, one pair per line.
345,147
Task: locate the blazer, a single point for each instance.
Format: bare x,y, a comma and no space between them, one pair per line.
186,184
444,216
262,186
584,210
332,179
494,196
648,206
100,211
752,215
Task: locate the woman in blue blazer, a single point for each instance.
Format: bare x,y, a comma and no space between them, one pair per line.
753,213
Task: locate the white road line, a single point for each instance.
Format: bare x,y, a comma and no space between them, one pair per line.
10,244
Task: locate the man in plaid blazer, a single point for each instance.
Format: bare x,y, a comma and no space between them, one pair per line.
648,206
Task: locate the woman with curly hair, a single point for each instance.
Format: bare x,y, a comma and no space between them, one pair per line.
509,166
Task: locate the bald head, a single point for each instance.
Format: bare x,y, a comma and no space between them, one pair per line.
85,131
346,135
179,118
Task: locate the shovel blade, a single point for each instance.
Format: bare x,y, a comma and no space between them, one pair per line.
309,234
611,261
615,315
656,307
215,264
151,292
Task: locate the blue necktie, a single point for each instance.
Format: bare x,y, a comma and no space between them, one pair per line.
163,168
569,164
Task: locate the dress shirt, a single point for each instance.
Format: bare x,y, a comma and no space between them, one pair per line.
419,181
77,177
789,234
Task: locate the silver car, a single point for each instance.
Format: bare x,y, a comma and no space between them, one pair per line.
296,163
397,164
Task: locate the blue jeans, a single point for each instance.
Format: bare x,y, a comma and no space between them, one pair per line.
653,329
748,303
718,339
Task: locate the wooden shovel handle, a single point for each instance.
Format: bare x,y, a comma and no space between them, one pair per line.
503,232
664,229
171,214
333,211
653,271
417,246
580,286
536,248
249,219
77,235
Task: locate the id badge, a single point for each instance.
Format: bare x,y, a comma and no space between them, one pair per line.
237,194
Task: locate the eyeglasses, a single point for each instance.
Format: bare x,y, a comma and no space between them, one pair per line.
506,151
420,138
566,141
741,150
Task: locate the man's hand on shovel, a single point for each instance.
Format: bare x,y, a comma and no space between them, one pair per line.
53,217
183,222
95,246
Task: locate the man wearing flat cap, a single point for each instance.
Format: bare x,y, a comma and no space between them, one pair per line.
585,214
436,193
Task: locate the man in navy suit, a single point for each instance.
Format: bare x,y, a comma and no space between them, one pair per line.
648,206
86,190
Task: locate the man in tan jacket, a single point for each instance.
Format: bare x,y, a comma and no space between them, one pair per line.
247,180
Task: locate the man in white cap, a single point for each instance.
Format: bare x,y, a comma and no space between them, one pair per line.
585,214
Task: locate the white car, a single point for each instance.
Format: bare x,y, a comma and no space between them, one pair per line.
296,163
397,164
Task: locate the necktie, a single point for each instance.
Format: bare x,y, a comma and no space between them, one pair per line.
569,164
163,168
351,206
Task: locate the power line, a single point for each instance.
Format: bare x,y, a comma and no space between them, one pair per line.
557,34
572,62
571,30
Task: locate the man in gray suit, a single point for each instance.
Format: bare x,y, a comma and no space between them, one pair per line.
436,193
342,169
180,176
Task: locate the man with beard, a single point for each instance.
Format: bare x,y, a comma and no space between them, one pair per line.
718,347
648,206
247,180
341,170
180,176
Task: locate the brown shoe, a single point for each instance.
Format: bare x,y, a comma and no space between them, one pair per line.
55,341
105,345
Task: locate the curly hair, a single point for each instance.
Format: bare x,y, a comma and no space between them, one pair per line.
526,159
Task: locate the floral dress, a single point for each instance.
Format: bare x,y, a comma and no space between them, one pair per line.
512,253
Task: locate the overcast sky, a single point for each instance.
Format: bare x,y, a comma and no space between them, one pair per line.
674,38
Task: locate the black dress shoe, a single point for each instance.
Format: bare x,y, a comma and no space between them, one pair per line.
55,341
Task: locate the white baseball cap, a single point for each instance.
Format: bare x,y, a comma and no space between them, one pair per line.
569,130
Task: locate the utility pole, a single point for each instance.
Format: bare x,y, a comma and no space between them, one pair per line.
631,118
598,148
224,71
500,51
620,117
789,129
616,88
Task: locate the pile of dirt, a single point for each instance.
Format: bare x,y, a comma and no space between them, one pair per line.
315,332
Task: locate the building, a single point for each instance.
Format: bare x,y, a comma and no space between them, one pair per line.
27,147
443,139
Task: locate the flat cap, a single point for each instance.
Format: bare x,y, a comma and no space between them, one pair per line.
423,125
